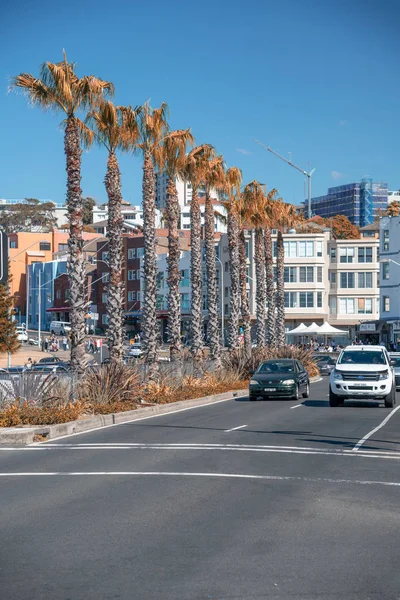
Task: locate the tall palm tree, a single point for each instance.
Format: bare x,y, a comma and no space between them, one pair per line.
107,126
269,270
58,87
284,216
241,213
233,180
193,172
214,175
172,161
153,128
256,203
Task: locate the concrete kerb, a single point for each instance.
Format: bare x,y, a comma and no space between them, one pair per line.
24,436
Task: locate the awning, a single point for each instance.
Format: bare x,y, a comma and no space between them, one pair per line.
327,329
297,330
58,309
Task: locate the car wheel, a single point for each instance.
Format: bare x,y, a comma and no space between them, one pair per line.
334,400
306,392
297,394
390,399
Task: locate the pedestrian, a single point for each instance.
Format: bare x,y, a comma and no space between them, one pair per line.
29,364
46,343
64,343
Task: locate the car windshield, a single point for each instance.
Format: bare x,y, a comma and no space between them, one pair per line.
136,346
396,360
276,367
363,357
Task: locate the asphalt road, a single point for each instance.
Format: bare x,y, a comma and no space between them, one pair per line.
238,500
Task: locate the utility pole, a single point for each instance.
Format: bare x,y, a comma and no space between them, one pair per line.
289,162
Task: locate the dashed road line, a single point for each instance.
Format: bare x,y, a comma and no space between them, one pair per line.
235,428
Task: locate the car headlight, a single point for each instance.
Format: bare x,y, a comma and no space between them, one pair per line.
338,376
253,382
384,375
288,382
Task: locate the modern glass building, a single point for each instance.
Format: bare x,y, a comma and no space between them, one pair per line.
357,201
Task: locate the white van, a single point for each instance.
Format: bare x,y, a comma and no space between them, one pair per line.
60,327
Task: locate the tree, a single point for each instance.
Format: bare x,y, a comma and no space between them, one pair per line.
8,335
256,204
393,210
233,181
59,88
270,286
283,216
214,174
107,126
152,128
193,172
87,213
172,160
30,215
342,229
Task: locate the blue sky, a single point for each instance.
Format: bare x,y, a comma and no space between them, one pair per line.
317,78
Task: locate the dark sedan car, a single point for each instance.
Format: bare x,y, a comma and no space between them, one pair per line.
280,378
326,364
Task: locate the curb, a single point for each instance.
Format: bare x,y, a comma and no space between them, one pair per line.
24,436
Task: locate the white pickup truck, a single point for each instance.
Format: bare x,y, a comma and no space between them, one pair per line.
363,373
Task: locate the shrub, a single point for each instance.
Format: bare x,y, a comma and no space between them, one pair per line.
110,384
236,359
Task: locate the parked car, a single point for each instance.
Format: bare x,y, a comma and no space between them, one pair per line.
22,335
280,378
53,361
60,327
363,372
136,350
395,358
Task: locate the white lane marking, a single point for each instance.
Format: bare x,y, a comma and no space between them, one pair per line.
210,475
235,428
297,406
370,433
172,412
385,454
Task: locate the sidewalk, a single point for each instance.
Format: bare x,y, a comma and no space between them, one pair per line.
33,352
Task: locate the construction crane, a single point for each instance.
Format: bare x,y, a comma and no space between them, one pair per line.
289,162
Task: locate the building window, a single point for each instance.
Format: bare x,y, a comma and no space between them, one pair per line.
290,299
185,302
290,249
160,280
105,277
333,254
365,280
45,246
104,319
290,275
306,274
131,296
365,254
346,306
385,241
306,248
62,247
368,233
284,247
131,253
319,248
333,278
138,274
186,226
104,256
332,305
346,255
347,280
385,270
319,299
226,267
104,297
365,306
58,294
306,299
13,243
319,274
67,294
131,275
140,252
386,303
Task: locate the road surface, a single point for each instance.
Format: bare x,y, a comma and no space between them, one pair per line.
236,500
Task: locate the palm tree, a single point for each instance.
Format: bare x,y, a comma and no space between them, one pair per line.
193,172
58,87
108,129
256,203
233,181
284,216
153,128
270,285
172,161
214,175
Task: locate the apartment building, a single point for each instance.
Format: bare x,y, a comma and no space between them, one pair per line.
390,278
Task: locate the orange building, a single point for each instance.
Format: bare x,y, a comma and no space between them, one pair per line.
26,248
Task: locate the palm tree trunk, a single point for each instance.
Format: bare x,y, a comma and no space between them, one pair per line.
269,270
261,300
212,291
280,296
115,297
76,264
243,294
234,300
196,277
149,308
174,276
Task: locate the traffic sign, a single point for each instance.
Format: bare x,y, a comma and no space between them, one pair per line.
3,257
